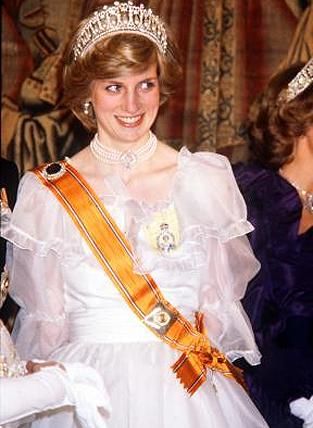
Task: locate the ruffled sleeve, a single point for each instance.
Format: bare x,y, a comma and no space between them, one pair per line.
218,204
34,262
230,267
230,262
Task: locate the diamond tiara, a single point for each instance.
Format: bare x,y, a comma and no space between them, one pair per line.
120,18
299,83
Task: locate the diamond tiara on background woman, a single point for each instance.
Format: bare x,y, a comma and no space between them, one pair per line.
298,84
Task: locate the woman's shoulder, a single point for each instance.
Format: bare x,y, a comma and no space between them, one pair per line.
253,175
36,222
211,167
211,175
208,159
31,189
211,195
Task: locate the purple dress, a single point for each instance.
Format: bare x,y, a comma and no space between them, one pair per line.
279,300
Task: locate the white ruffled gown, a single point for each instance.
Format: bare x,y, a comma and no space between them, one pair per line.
72,312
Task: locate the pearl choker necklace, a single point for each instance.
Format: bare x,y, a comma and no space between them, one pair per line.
305,195
128,158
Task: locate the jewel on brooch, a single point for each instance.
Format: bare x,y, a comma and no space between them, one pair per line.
165,239
53,171
128,159
162,231
160,318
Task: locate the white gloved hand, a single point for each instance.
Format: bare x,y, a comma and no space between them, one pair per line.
92,403
303,409
52,387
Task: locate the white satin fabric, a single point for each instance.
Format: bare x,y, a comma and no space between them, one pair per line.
72,312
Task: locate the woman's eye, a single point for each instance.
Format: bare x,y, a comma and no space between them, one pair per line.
113,88
147,84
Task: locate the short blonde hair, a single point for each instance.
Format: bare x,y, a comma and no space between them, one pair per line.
111,57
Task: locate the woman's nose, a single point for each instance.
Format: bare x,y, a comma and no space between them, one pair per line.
131,102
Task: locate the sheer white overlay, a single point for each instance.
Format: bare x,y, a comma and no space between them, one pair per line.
72,312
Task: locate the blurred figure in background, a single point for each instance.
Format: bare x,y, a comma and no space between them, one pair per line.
278,189
9,178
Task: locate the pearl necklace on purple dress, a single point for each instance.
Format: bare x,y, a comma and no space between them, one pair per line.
305,195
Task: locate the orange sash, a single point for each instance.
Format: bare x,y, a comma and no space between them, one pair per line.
111,248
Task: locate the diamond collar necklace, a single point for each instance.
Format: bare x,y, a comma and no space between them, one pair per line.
128,158
305,195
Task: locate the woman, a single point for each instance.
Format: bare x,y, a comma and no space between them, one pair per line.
121,245
278,189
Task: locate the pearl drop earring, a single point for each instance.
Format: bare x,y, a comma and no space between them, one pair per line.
86,107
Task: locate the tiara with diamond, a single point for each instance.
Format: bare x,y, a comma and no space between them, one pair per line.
120,18
299,83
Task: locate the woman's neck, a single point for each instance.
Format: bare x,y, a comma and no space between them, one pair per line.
300,169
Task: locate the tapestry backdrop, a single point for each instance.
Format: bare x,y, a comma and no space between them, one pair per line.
229,47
